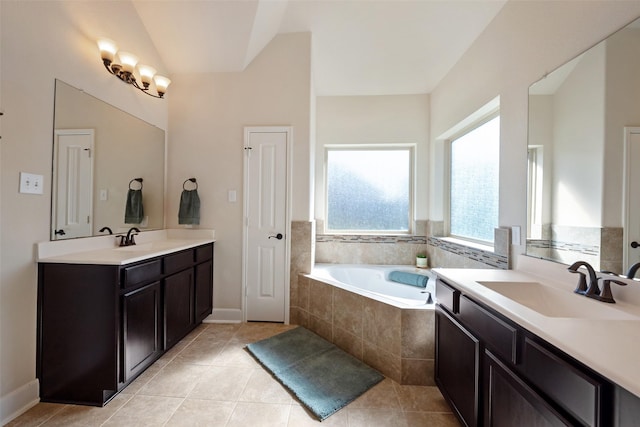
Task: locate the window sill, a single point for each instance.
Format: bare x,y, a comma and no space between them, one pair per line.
474,245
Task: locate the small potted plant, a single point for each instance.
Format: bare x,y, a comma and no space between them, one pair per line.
421,260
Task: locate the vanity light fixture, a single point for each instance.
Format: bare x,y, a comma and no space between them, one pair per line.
124,68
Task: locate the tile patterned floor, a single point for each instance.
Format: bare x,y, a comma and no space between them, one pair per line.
208,379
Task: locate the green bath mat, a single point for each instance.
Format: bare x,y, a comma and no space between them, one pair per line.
323,377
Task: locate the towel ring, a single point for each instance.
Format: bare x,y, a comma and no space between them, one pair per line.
187,180
139,180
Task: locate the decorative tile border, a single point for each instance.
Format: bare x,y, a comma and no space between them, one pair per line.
485,257
355,238
591,250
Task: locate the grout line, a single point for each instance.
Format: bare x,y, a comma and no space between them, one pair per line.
118,410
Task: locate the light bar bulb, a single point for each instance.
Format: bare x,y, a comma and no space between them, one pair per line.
161,84
108,49
146,74
128,61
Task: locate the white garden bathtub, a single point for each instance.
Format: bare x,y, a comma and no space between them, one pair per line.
373,281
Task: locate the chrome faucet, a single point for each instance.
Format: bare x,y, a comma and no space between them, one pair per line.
582,288
128,240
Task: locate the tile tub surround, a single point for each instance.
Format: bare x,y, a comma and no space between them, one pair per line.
449,253
602,247
370,249
208,379
303,235
397,342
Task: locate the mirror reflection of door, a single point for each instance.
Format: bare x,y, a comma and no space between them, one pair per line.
632,197
72,183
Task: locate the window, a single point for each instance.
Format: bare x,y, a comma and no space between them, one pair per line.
369,190
474,182
535,157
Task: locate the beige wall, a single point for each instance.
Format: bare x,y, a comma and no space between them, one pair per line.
520,45
373,120
208,113
41,41
578,147
623,90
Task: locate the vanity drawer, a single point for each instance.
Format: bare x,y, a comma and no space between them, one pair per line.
140,273
447,296
204,253
178,261
501,337
574,390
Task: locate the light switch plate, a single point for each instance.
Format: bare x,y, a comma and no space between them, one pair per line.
515,235
231,196
31,183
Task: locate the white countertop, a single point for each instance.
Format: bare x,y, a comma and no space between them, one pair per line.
609,346
104,249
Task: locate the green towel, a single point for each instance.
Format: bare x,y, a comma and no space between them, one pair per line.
133,211
189,212
413,279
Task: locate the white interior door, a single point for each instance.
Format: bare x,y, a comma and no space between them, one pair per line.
632,197
265,251
73,183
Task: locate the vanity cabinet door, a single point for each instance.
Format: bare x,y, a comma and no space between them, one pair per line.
178,307
457,370
203,290
511,402
141,329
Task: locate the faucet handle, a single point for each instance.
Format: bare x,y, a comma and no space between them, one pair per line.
606,295
582,283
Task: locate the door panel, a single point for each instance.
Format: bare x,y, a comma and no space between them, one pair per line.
73,184
265,263
632,202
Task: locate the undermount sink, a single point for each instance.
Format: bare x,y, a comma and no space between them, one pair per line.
552,302
151,246
136,248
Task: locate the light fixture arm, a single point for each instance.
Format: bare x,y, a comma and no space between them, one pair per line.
125,70
127,77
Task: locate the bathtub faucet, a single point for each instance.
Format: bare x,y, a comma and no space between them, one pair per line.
429,299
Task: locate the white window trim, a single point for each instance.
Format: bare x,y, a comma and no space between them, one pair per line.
535,183
412,147
486,113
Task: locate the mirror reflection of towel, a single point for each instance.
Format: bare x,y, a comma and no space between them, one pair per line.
133,211
189,212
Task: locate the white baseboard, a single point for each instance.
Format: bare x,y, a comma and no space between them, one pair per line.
19,401
224,315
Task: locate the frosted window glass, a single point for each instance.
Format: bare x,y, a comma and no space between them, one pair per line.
368,190
474,182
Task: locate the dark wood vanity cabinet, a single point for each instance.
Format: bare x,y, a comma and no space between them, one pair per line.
178,307
493,372
203,292
457,369
141,329
100,326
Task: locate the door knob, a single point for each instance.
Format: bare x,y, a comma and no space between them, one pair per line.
60,232
634,244
278,236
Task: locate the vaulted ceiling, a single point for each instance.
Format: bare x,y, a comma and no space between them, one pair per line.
359,47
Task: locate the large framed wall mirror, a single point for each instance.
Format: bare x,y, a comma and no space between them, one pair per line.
583,146
99,154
